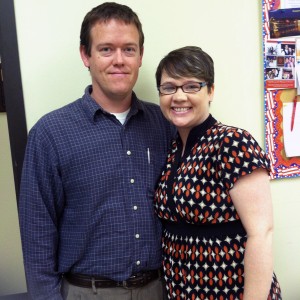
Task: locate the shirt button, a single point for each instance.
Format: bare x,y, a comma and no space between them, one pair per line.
138,262
128,152
132,180
137,236
135,207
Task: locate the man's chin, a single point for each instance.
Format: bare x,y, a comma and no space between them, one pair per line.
121,93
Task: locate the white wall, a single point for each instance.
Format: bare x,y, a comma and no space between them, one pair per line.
53,75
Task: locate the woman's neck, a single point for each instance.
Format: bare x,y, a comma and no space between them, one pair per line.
183,133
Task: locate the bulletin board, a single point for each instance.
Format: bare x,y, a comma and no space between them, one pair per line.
281,40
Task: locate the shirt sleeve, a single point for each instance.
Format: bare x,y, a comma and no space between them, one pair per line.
239,155
40,204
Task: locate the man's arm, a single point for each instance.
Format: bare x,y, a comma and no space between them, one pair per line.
40,204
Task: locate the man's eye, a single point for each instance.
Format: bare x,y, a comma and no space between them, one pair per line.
105,50
130,50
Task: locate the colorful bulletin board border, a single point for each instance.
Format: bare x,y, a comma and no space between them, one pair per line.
281,166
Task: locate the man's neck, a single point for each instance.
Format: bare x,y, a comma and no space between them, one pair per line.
113,103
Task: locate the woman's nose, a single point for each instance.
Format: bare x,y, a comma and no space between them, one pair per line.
179,95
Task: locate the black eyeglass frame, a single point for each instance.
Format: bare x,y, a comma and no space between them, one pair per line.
201,83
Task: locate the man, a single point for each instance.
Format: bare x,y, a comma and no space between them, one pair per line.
86,203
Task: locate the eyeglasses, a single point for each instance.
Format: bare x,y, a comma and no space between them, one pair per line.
191,87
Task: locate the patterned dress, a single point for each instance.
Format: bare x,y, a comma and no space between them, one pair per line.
204,240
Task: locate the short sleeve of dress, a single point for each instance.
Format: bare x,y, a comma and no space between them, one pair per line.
239,155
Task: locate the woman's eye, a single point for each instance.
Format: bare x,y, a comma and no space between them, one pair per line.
191,86
168,88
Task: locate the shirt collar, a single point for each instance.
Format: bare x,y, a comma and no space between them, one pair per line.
200,129
92,108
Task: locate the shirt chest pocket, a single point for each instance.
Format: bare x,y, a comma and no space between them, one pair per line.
149,167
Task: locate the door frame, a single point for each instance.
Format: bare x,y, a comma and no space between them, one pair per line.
12,87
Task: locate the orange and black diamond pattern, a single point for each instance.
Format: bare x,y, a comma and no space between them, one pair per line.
198,183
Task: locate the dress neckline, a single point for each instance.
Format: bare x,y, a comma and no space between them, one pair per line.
195,133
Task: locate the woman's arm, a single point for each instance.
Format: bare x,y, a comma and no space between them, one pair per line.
251,197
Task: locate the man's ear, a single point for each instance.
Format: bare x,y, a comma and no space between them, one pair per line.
141,56
84,56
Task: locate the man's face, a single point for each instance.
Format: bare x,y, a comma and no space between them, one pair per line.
115,59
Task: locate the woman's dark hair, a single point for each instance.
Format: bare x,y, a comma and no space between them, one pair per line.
189,61
103,13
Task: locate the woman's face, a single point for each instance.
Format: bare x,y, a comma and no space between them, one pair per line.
185,110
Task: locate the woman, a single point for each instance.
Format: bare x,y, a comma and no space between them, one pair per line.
213,196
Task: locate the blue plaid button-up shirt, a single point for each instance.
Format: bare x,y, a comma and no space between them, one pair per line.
86,198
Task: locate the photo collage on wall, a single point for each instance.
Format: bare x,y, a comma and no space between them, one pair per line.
281,50
280,65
